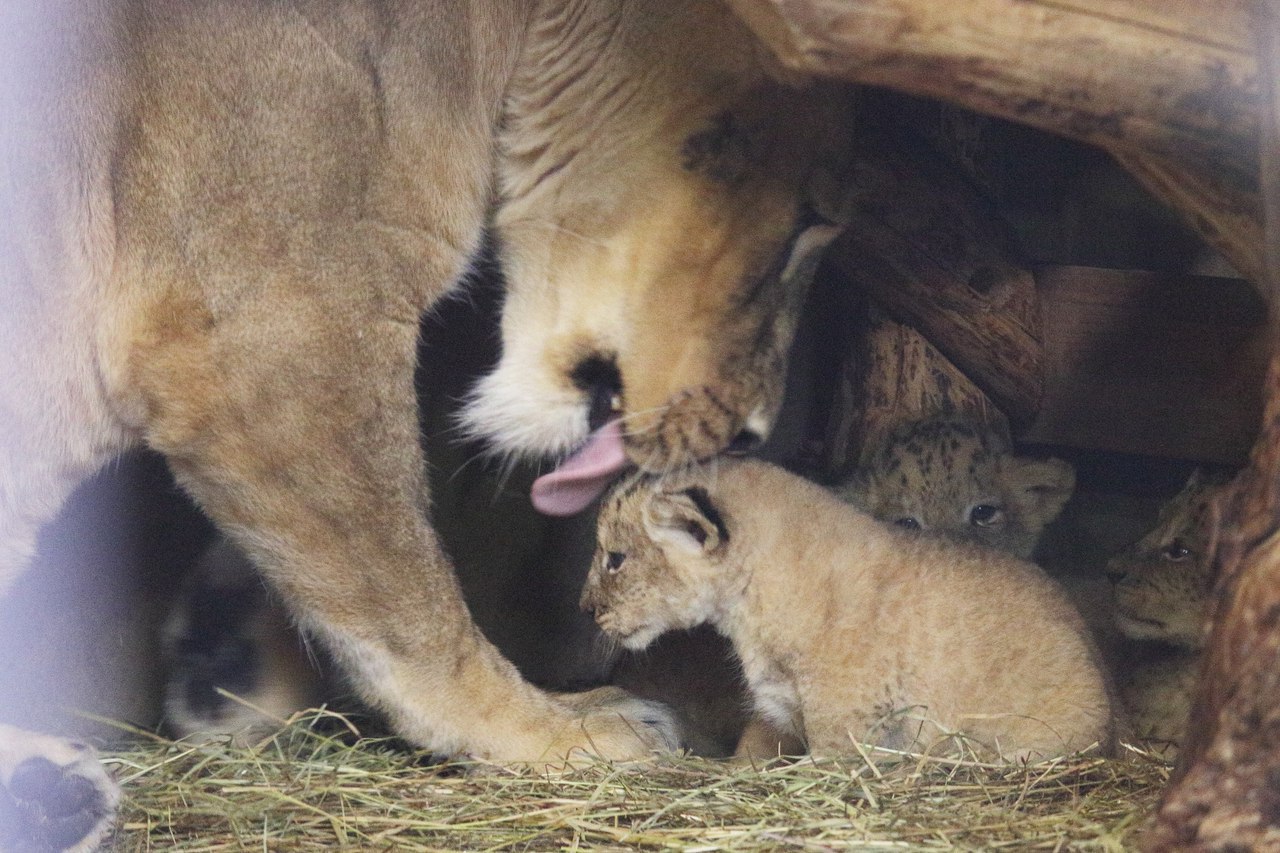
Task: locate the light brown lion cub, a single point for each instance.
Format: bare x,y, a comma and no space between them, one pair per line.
847,629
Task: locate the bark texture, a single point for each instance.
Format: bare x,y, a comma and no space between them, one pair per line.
1225,795
1169,86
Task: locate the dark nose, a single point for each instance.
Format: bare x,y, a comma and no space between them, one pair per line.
745,442
600,378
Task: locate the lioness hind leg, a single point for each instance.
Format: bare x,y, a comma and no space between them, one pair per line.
305,450
54,795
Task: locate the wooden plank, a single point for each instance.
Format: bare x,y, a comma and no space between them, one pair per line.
1150,364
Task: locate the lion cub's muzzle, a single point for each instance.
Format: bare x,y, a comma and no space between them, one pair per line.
695,426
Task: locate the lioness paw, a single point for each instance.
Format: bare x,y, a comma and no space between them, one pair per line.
615,725
54,795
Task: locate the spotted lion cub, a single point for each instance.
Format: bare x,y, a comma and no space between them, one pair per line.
847,629
961,479
1162,585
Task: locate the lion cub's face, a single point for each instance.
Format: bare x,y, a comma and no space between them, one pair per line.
960,479
658,565
1163,582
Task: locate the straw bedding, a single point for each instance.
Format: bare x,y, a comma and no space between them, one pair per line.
309,788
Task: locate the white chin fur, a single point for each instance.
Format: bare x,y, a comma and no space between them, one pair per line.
640,639
519,413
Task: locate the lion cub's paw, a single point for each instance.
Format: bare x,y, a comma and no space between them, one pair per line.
615,725
54,795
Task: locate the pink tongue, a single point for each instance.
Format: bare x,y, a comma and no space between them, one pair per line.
581,478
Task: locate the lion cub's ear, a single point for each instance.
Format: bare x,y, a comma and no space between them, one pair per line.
687,520
1041,487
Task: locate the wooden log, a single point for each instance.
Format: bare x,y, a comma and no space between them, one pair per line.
893,375
1151,363
1176,79
1226,791
1169,86
931,252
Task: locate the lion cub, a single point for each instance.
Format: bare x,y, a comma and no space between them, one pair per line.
849,630
961,478
1162,587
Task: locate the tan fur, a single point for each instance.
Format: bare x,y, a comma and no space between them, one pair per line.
846,628
935,472
1163,581
1162,589
961,479
1157,698
222,222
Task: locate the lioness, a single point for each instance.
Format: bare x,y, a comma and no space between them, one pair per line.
220,223
849,630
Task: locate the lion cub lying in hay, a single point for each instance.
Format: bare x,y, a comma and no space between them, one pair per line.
847,629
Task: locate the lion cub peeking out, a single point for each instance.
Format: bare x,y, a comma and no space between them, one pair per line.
847,629
961,479
1163,585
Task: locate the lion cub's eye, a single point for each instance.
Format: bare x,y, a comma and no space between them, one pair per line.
613,561
908,523
1176,551
986,515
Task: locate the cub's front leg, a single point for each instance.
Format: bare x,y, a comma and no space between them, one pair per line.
293,422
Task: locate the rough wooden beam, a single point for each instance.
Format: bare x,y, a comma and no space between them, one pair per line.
926,248
1226,793
1174,79
892,376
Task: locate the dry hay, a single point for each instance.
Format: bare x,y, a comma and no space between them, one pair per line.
307,790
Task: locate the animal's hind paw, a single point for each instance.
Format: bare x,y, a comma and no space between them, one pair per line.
54,795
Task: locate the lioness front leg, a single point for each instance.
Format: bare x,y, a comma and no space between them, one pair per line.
54,794
305,450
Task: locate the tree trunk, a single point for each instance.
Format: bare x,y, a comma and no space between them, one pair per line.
1226,792
891,377
1225,209
1169,78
